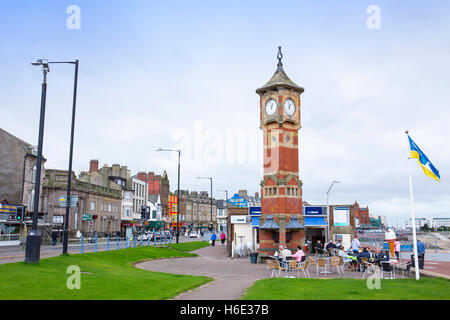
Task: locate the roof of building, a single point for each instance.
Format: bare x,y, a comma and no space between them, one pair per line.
269,223
294,223
279,78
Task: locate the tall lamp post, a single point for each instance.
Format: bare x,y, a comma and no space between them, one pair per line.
226,201
178,190
211,198
69,177
33,245
328,211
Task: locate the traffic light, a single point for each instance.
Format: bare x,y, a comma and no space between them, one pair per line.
142,212
20,213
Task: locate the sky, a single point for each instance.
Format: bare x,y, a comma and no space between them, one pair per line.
183,74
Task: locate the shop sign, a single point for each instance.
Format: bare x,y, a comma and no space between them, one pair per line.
315,211
239,219
8,209
254,211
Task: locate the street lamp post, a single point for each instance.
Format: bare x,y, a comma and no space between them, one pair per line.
212,224
328,211
178,191
69,176
226,201
33,245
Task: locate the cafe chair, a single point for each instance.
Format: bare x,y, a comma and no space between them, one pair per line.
321,263
387,268
292,265
312,261
277,268
405,267
270,266
303,266
369,268
335,262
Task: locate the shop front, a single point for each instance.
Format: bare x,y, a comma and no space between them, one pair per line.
316,225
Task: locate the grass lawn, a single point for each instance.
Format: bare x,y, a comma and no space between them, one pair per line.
348,289
105,275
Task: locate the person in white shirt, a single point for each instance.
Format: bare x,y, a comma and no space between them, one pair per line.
285,253
355,245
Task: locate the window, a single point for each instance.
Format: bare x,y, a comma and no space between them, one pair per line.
33,174
127,196
92,205
128,212
109,208
154,214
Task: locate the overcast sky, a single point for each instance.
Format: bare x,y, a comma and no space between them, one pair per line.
183,74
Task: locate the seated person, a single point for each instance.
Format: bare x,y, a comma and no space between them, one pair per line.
344,256
364,254
319,247
380,256
285,252
299,255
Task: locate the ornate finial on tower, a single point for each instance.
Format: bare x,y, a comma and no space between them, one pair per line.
280,56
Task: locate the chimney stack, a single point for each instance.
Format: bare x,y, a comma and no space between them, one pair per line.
93,166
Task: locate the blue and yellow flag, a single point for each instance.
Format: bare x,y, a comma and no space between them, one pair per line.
426,164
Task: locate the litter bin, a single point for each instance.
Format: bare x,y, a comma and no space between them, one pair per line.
421,259
253,257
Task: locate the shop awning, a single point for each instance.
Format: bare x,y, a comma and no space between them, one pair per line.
255,222
270,224
294,223
315,221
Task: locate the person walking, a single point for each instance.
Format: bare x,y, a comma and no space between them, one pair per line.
222,237
213,238
54,237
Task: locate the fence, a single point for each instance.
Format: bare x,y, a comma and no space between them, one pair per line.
92,244
376,243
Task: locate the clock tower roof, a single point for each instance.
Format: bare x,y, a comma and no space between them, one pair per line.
279,79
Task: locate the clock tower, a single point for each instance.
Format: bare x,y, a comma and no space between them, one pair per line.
281,187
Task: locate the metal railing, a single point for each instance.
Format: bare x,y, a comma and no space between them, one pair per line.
94,244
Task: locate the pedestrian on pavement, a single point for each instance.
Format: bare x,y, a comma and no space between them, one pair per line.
213,238
222,237
420,247
54,237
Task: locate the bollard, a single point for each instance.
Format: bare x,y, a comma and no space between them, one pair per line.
135,240
142,239
81,249
95,248
435,246
107,243
148,241
126,242
117,242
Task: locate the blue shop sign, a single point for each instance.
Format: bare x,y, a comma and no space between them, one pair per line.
254,211
315,211
238,201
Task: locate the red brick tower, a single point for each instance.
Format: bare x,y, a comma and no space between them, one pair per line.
281,188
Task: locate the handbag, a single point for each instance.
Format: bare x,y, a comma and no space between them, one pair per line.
210,241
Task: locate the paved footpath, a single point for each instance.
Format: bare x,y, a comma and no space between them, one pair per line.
231,277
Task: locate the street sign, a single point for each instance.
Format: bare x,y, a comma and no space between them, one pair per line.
73,201
87,217
58,219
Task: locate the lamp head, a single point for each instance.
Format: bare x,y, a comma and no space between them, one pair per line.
43,63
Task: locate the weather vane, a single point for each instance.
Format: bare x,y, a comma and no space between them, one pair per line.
279,57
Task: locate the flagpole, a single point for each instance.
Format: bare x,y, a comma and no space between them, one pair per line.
416,258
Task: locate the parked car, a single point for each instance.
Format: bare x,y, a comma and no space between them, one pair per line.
144,237
194,234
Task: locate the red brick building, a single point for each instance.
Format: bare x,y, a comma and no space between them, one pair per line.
158,184
362,214
281,187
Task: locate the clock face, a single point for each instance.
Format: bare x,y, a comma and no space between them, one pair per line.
271,107
289,107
